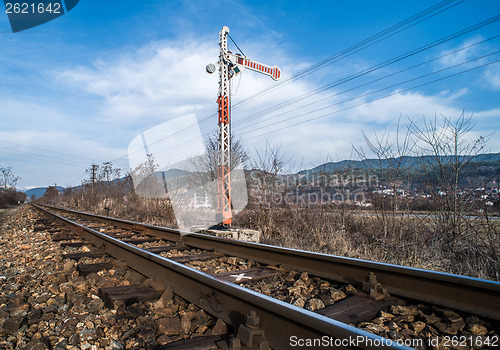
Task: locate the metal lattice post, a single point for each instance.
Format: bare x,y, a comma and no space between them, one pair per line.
229,65
224,147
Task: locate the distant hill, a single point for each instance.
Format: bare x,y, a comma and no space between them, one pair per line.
487,158
39,191
174,173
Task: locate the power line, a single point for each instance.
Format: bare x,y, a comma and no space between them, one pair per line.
383,35
72,182
252,117
181,147
366,102
430,12
35,156
45,150
354,76
376,67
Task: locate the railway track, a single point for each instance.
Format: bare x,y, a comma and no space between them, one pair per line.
230,279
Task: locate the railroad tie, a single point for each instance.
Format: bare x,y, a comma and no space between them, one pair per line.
87,269
41,228
140,240
195,257
200,343
78,256
128,294
252,274
64,237
74,244
167,248
355,309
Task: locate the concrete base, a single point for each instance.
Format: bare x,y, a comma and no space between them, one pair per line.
241,234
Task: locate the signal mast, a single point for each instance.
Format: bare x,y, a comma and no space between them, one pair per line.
230,65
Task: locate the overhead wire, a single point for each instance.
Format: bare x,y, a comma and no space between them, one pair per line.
252,117
374,68
45,150
383,35
72,183
366,102
52,157
360,46
35,156
241,132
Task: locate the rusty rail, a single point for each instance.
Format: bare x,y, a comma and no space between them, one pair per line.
468,294
281,321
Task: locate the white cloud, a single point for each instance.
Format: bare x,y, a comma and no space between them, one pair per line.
492,113
466,52
337,133
492,76
127,93
469,51
160,81
167,79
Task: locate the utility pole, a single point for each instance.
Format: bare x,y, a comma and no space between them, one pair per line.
93,180
229,65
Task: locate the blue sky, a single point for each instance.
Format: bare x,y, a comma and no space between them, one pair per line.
78,89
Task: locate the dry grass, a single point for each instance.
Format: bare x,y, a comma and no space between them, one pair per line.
413,242
5,212
470,247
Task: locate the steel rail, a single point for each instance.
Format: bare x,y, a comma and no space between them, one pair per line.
477,296
230,302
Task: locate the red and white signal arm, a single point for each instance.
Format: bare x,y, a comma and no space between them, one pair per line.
274,72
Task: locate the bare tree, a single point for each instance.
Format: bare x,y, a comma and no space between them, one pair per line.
8,193
97,187
266,168
264,185
7,178
147,180
208,162
446,150
204,167
51,194
392,167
